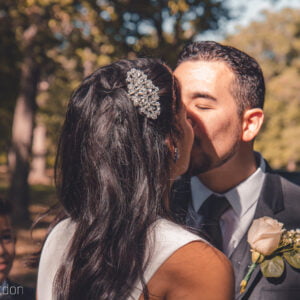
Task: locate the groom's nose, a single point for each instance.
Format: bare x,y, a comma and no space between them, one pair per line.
193,119
197,123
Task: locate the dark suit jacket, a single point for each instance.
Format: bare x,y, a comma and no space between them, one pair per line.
16,291
279,199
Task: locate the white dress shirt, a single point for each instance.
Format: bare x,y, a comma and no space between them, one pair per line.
243,200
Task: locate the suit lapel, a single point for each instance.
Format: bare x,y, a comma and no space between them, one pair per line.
240,261
269,203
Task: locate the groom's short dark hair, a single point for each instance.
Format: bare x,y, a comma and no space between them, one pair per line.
248,87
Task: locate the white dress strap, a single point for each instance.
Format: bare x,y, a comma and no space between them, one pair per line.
52,257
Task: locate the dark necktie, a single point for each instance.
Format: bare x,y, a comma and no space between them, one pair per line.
212,210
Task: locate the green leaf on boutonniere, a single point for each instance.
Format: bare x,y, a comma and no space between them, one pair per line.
272,267
293,258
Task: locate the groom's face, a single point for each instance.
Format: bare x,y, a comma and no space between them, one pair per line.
206,92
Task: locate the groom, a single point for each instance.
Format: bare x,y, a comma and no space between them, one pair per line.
230,184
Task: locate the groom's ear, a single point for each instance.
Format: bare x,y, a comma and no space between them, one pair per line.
252,121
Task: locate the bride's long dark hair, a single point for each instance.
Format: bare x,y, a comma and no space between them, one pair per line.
113,179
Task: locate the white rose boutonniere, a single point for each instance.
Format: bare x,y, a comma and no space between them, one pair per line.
270,245
264,235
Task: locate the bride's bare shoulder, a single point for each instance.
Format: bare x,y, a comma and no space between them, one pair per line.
195,271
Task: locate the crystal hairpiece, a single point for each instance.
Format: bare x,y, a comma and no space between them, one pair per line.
143,93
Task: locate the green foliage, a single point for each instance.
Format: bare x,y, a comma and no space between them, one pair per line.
272,267
71,38
275,43
157,28
293,258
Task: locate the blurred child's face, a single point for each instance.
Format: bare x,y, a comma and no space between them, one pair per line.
7,246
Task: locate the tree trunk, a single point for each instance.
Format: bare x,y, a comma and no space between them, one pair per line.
37,173
23,123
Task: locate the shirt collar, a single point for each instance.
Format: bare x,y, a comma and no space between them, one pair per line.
241,197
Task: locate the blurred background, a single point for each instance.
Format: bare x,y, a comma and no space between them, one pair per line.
48,46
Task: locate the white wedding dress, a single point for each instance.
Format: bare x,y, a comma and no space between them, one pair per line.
164,238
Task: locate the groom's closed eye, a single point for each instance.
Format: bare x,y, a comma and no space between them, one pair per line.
204,103
202,107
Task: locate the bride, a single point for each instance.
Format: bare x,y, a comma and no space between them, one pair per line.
124,141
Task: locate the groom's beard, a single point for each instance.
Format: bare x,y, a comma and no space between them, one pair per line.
202,162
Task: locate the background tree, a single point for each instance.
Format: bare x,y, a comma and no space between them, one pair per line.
30,22
9,77
275,43
58,42
159,27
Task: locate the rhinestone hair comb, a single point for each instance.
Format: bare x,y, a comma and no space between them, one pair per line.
143,93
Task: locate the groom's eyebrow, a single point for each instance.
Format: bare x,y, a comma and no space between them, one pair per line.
197,95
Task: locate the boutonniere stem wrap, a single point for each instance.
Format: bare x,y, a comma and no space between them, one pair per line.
271,245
